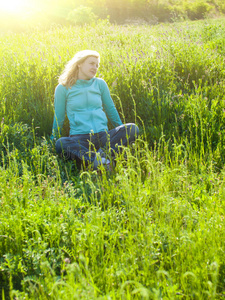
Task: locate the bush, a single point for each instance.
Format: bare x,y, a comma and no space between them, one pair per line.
81,16
161,11
197,10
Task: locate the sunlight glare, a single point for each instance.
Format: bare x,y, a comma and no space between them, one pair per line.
13,6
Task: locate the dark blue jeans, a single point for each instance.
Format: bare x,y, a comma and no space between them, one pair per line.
83,147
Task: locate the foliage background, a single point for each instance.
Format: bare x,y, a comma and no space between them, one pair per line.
42,14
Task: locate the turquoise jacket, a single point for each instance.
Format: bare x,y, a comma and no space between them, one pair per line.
85,104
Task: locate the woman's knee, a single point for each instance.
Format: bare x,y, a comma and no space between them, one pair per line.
59,145
133,130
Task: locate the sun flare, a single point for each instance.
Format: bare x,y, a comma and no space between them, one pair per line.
13,6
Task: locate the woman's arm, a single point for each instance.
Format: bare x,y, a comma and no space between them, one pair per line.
109,106
60,110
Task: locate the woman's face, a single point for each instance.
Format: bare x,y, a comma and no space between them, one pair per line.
88,68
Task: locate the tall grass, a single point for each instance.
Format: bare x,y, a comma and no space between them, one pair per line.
148,231
164,69
154,227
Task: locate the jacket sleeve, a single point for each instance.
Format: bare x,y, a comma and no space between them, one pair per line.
60,111
109,106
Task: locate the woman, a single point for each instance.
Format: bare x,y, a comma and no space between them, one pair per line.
86,100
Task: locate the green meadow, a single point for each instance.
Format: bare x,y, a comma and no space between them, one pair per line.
153,228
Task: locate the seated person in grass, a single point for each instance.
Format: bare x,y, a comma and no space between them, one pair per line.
86,100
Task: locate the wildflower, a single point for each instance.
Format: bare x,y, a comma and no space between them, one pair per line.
67,260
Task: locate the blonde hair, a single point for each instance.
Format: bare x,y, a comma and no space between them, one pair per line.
70,73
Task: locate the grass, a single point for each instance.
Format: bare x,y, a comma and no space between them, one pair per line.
149,231
153,228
